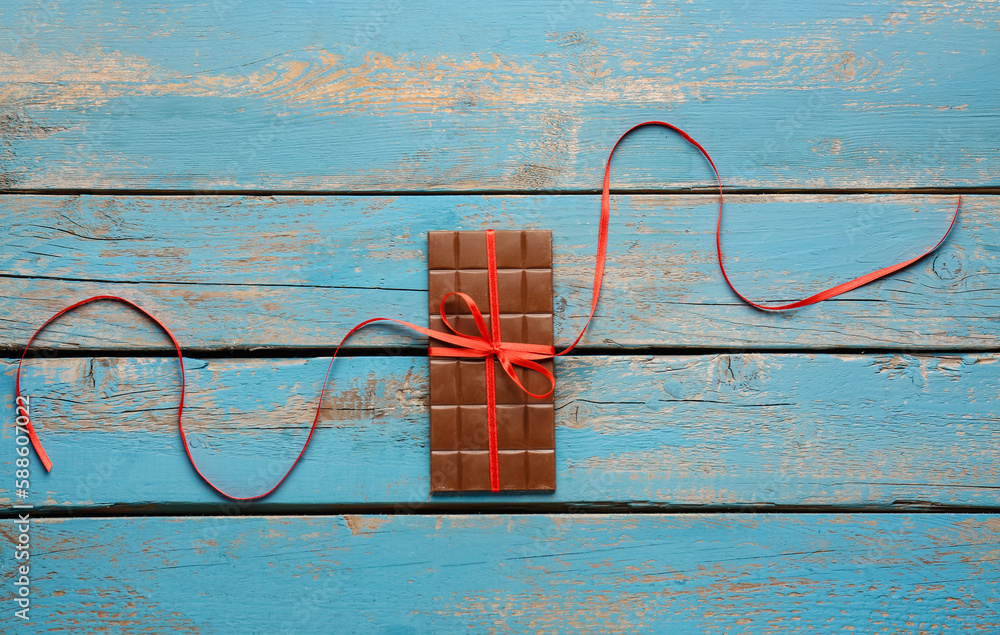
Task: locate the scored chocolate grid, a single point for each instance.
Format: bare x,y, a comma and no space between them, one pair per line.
525,425
457,262
459,432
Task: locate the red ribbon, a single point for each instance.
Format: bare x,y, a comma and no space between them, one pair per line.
488,344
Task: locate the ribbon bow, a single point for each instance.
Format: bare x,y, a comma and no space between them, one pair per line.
509,354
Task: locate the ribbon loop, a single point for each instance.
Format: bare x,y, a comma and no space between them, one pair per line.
825,294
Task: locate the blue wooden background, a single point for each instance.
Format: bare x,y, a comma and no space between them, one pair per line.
262,177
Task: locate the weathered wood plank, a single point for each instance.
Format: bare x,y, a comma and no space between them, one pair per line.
517,95
247,272
850,431
540,574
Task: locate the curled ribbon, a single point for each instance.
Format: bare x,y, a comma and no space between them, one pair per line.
488,344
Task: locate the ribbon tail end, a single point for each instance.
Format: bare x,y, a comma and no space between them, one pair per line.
39,450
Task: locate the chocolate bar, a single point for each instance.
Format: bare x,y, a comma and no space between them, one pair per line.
460,439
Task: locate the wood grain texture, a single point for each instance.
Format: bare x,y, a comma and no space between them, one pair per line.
350,113
525,95
499,574
849,431
241,272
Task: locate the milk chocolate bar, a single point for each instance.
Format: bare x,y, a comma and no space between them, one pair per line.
460,454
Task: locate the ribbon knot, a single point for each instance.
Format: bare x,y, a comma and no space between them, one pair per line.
489,344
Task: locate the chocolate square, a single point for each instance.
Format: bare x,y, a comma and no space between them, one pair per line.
460,449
